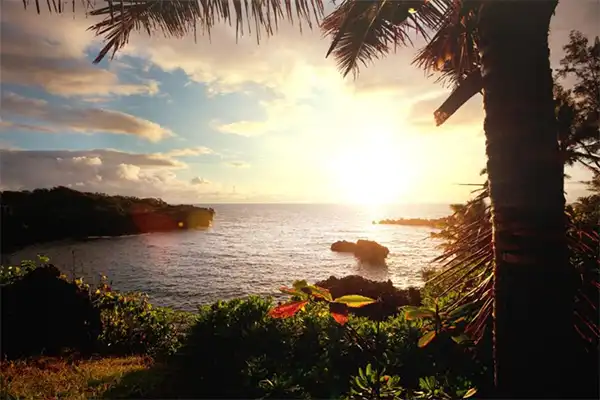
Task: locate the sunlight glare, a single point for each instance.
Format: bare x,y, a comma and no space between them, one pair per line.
376,172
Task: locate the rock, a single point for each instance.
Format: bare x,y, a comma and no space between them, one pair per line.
390,297
343,246
364,250
42,313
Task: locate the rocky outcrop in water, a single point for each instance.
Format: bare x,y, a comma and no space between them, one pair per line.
390,297
365,250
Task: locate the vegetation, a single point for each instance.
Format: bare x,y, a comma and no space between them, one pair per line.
44,313
308,355
61,213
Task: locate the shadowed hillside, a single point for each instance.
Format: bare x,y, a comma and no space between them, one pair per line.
44,215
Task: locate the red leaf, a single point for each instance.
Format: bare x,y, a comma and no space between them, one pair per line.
340,318
288,309
339,312
291,291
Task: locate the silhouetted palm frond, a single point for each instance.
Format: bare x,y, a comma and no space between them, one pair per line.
453,51
467,263
178,18
366,30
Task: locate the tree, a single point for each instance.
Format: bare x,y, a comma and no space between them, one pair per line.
524,164
467,252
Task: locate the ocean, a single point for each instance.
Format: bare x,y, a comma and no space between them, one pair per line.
250,249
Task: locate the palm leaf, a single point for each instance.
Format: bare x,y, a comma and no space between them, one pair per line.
453,51
366,30
178,18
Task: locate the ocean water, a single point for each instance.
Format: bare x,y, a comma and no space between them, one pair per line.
250,249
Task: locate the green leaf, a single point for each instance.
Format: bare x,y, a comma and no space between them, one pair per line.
460,338
320,292
470,393
355,300
413,313
369,370
300,284
359,383
426,339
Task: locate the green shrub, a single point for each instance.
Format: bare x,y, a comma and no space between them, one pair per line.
306,355
130,324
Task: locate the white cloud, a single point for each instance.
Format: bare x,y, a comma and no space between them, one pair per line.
49,51
238,164
190,151
199,181
109,171
84,119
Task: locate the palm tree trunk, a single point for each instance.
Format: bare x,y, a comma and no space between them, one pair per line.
532,291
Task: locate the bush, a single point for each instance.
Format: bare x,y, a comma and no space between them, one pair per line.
43,312
131,325
307,355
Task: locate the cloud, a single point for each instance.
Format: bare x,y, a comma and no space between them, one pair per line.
190,151
49,51
109,171
238,164
199,181
84,119
9,125
242,128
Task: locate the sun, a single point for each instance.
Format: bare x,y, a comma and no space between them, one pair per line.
372,173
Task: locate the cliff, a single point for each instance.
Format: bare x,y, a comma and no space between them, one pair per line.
44,215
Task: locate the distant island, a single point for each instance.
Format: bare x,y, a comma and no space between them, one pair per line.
44,215
432,223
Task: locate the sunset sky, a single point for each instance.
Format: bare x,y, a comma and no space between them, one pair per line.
225,122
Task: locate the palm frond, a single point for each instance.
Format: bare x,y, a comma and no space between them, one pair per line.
178,18
363,31
467,264
453,50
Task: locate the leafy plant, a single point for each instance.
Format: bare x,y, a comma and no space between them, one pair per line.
132,325
12,273
436,322
374,384
303,293
432,388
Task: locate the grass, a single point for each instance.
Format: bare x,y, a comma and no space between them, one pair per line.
64,378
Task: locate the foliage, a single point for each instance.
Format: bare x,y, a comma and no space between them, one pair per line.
54,214
374,384
578,109
131,325
466,276
389,298
12,273
305,293
307,354
129,322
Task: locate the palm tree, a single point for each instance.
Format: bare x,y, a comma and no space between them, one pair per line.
532,290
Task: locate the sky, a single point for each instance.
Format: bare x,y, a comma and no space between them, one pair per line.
219,121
